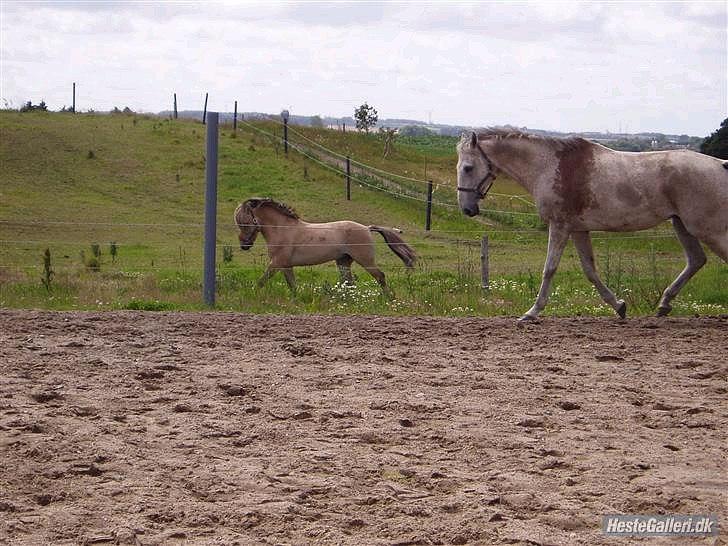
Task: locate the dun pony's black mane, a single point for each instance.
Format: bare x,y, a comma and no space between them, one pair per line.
280,207
557,143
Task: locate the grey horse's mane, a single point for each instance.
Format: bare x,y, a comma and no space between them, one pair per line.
498,133
277,205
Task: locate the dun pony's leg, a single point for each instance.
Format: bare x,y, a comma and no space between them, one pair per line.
696,259
290,278
267,275
344,264
379,276
558,237
582,242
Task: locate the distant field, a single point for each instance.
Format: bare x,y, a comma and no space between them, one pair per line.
68,182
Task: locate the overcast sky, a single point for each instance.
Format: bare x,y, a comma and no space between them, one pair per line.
573,66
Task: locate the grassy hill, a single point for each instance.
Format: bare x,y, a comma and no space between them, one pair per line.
68,182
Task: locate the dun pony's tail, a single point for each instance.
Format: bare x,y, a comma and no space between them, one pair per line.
397,244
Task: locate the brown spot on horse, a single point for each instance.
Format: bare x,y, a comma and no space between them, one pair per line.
571,183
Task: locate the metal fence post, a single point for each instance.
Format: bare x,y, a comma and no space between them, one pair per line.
428,217
484,275
348,178
208,287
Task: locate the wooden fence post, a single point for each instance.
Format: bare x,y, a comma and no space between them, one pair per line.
348,178
285,135
73,108
484,279
175,106
235,117
204,111
428,216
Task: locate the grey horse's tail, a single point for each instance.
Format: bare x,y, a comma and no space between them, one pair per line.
397,244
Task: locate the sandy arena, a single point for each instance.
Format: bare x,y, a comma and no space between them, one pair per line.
220,428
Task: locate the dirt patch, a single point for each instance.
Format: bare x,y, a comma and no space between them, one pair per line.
219,428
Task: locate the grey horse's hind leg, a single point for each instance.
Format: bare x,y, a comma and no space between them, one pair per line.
582,242
696,259
558,237
344,264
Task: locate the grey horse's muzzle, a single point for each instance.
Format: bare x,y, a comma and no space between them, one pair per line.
471,210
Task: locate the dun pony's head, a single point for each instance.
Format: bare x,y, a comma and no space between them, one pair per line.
247,223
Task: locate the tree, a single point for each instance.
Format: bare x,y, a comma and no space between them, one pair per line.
316,121
30,107
366,117
415,131
717,143
388,136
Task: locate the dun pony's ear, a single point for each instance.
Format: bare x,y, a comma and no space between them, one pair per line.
473,140
253,203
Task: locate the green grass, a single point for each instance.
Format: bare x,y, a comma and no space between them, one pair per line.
71,181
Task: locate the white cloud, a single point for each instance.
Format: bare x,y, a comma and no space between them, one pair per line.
566,66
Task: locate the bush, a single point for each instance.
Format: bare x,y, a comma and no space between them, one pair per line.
146,305
717,143
30,107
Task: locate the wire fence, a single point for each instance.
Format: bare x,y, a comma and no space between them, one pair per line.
165,255
398,176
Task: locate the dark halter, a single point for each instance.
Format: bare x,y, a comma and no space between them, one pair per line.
490,177
249,238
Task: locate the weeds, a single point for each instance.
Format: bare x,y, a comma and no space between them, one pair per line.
48,272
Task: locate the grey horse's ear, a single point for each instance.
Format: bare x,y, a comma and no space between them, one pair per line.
473,140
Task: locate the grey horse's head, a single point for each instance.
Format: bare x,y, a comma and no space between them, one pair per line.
475,174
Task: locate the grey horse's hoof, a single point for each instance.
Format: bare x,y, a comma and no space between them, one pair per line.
663,310
525,319
622,309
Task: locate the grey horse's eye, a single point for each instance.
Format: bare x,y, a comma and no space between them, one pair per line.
468,168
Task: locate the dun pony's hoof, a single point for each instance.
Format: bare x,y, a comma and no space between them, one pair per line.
663,310
622,309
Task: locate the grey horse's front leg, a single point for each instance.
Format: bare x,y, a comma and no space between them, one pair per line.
582,242
695,256
558,237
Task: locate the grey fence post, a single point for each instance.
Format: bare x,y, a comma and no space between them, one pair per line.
484,278
348,178
428,217
208,287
